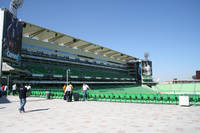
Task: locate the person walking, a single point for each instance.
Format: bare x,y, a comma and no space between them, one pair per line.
14,88
2,87
64,88
22,96
28,87
0,91
68,92
71,92
4,90
85,87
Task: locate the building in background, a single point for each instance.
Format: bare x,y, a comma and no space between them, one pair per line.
198,74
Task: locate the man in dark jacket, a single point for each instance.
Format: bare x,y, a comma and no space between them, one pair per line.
22,96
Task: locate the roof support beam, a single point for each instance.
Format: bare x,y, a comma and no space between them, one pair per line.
111,54
124,57
36,33
84,46
53,39
106,51
129,58
95,49
90,47
71,42
116,55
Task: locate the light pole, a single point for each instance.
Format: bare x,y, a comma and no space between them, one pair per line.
67,75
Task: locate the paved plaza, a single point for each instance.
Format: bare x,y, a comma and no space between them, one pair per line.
59,116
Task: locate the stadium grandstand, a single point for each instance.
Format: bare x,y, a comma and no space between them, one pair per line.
49,57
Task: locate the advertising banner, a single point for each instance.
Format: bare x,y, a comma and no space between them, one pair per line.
146,68
12,37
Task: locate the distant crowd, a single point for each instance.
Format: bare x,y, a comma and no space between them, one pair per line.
4,88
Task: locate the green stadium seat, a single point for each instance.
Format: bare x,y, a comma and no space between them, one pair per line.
113,99
95,96
153,98
89,96
146,98
123,98
160,98
193,99
139,98
118,97
43,94
128,98
166,98
134,97
108,97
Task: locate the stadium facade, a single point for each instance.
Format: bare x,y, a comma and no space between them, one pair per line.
50,57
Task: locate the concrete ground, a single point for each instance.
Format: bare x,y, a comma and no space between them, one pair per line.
59,116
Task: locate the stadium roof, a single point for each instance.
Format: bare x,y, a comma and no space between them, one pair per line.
8,68
43,34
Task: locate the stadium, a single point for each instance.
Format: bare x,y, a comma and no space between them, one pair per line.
37,62
49,59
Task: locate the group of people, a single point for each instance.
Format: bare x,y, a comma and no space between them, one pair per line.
68,91
3,90
22,91
14,88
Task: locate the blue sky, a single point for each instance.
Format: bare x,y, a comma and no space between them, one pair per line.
169,30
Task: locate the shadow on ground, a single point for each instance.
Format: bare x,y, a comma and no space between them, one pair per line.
34,100
4,99
27,99
36,110
2,107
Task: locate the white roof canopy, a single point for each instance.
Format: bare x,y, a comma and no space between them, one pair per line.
43,34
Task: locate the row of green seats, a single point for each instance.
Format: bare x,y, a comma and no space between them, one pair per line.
54,93
57,95
83,72
121,96
141,98
36,93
